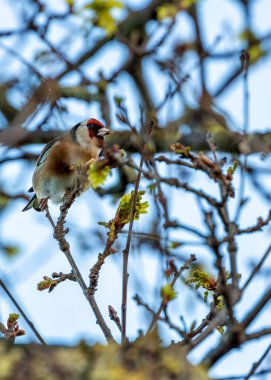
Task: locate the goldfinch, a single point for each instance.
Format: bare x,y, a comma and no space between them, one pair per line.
57,167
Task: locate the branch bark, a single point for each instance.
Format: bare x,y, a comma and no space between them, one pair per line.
226,141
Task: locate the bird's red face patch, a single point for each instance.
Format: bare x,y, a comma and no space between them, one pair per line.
94,126
94,122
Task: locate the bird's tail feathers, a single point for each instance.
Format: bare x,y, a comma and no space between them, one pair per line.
33,203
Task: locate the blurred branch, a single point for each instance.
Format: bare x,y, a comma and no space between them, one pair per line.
226,141
257,268
172,283
258,363
237,337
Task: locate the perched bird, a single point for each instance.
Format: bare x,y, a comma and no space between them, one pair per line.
57,167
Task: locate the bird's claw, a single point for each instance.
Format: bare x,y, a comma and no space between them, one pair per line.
43,204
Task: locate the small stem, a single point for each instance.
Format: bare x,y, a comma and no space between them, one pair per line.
30,324
258,363
126,256
48,216
175,278
257,268
128,242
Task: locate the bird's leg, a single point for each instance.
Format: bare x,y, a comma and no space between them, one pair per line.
48,216
73,166
68,193
43,203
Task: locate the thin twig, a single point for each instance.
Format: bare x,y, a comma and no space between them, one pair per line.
258,363
114,316
48,216
50,283
171,325
219,320
30,324
126,256
128,243
244,58
241,377
257,268
175,277
256,308
95,270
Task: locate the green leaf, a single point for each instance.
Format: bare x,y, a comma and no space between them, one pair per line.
221,330
102,16
122,153
235,165
13,317
166,11
220,302
175,244
188,3
248,35
97,174
152,187
118,100
4,200
256,52
11,250
170,10
168,293
123,213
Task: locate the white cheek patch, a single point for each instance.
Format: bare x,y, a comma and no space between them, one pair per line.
88,144
82,136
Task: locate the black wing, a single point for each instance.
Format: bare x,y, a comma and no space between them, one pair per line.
45,151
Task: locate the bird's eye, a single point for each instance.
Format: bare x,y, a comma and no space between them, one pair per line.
94,127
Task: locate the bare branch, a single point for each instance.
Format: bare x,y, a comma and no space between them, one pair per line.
30,324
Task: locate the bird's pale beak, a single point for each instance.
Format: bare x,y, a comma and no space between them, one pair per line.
104,131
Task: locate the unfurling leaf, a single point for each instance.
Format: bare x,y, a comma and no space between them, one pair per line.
97,174
175,244
102,14
169,11
166,11
232,169
202,279
118,100
188,3
4,200
168,293
47,283
123,213
221,330
12,330
220,302
255,51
